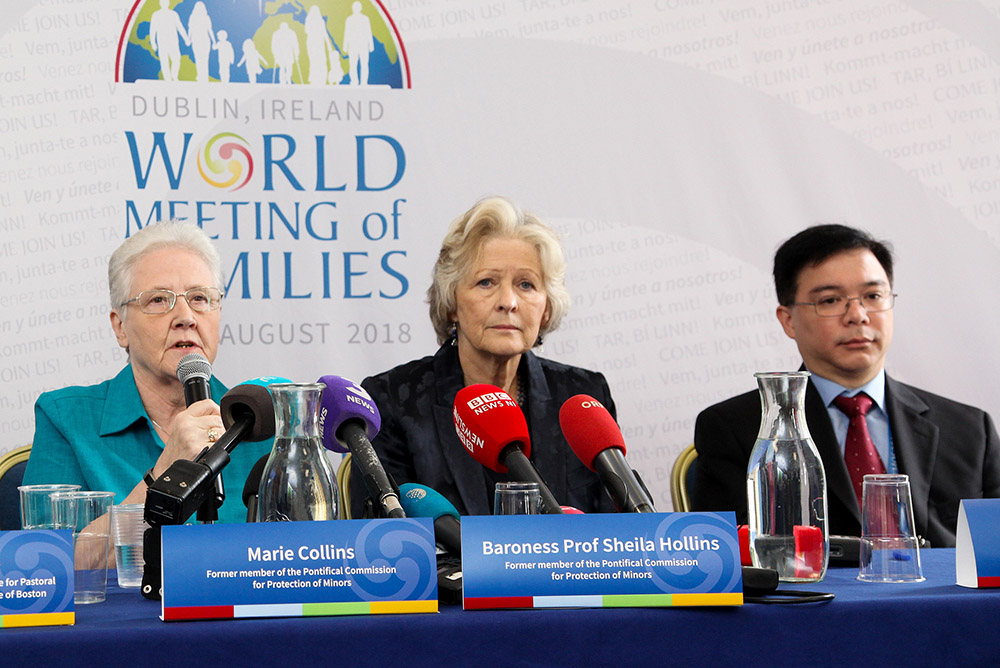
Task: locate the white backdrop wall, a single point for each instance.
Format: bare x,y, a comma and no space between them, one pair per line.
673,143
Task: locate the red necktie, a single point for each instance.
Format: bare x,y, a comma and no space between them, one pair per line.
859,450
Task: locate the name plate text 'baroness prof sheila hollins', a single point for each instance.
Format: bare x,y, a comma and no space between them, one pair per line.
597,561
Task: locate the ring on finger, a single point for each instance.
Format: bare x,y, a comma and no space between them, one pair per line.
213,435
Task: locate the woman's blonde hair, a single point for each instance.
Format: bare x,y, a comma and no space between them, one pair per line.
493,218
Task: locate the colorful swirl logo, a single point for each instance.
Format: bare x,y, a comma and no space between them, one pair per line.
395,561
225,161
699,565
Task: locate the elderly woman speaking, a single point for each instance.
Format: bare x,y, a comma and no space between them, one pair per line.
498,288
120,435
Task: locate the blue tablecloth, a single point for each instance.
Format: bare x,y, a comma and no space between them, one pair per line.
934,623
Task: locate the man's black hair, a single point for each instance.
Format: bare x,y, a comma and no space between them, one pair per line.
814,245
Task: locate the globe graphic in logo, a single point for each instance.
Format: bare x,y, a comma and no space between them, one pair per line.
328,43
225,161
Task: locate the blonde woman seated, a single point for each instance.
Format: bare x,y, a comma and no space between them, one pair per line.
498,288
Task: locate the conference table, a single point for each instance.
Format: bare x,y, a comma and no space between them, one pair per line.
932,623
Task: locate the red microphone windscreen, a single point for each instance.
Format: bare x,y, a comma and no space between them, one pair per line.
589,428
487,420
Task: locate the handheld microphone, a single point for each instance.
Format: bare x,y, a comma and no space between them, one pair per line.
348,419
194,371
251,488
492,428
596,439
422,501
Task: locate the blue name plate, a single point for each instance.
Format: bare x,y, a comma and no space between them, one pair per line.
977,543
601,561
299,569
36,578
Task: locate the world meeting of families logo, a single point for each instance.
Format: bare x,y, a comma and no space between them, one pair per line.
328,43
225,161
267,123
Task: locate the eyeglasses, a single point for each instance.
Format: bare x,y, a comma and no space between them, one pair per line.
834,307
156,302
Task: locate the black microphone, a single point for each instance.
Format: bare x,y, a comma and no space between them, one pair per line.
596,439
348,419
248,413
194,371
251,489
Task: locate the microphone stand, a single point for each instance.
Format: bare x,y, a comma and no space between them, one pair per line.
208,512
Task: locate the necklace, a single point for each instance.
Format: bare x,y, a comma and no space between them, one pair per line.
160,427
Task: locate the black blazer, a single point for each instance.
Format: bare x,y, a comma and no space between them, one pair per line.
949,450
417,442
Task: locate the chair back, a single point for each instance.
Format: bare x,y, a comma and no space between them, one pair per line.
682,479
344,486
12,466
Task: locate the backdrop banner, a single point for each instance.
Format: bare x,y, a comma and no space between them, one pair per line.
673,144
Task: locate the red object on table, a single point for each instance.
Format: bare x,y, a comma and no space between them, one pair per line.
808,551
743,531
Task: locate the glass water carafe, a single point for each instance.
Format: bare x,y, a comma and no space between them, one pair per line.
298,482
786,485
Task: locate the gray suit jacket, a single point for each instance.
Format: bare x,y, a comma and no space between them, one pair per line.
949,450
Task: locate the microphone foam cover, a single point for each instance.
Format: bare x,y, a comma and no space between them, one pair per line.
487,420
250,399
422,501
194,365
345,400
589,428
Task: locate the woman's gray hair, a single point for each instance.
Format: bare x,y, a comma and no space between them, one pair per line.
492,218
153,237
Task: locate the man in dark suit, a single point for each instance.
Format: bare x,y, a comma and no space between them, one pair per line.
834,288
